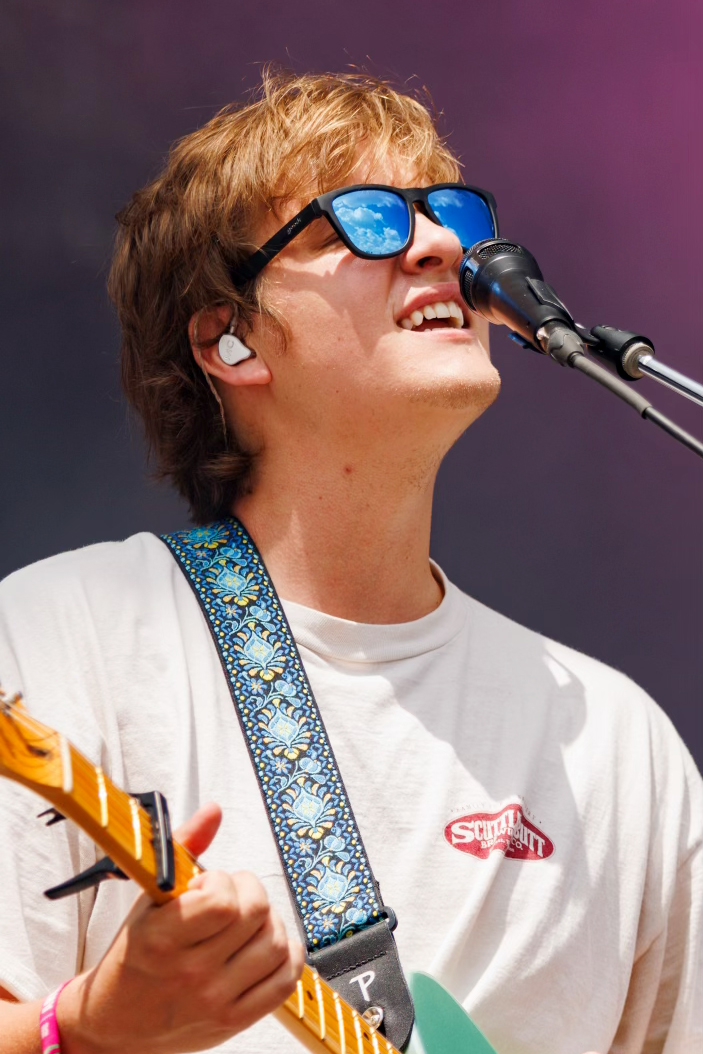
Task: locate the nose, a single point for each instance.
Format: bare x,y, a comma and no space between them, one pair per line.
433,248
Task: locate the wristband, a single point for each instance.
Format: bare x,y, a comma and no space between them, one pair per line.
48,1025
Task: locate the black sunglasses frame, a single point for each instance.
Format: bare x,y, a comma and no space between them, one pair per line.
322,206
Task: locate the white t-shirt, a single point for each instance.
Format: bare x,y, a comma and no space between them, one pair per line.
531,816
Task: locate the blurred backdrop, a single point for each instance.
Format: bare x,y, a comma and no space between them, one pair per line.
560,507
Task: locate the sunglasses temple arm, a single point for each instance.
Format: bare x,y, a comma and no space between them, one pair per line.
251,267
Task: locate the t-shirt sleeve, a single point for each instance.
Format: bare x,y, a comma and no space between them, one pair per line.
41,941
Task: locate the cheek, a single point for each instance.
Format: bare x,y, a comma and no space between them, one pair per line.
348,306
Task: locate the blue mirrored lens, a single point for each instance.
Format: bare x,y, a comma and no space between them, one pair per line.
465,214
375,221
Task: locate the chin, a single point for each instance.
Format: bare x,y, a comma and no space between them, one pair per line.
473,392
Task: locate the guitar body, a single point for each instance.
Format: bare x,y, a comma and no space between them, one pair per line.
442,1026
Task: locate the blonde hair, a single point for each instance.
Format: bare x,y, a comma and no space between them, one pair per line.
179,235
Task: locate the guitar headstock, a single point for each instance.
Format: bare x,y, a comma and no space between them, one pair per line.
30,752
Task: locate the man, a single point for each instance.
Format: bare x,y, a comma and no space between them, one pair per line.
315,401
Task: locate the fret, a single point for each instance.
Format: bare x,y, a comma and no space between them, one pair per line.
102,795
310,1014
321,1003
335,1007
357,1030
300,1012
66,766
340,1023
136,827
351,1024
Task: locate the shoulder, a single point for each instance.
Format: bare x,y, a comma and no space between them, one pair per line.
603,721
105,568
516,647
82,610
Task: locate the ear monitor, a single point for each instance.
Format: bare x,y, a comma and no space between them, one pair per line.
232,350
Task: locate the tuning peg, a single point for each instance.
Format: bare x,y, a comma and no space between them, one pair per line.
56,816
92,876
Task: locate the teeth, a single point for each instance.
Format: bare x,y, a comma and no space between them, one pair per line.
442,309
456,314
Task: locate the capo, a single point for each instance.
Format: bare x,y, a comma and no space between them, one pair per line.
92,876
157,808
54,814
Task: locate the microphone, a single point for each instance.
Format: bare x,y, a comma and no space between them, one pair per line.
502,282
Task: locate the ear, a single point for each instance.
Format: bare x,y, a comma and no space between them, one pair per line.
204,330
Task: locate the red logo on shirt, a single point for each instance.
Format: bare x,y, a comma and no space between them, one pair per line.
507,831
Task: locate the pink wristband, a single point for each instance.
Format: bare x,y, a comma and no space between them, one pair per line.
48,1025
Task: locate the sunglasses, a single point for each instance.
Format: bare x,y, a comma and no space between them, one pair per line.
377,222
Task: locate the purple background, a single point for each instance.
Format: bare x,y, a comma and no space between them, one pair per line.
560,507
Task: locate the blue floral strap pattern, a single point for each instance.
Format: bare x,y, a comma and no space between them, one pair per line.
318,840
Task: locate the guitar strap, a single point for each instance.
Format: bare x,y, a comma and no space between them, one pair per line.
346,925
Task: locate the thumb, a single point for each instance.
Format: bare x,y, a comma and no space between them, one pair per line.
197,833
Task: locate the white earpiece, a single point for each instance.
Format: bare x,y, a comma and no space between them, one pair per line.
232,350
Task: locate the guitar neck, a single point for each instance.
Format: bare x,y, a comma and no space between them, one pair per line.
43,760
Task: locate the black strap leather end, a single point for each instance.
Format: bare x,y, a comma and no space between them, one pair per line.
365,970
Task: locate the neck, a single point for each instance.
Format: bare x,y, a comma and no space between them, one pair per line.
350,538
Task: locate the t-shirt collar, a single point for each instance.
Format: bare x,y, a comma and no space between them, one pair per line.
341,640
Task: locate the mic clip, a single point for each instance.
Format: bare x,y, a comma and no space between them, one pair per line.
622,349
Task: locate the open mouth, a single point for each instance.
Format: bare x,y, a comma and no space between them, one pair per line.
444,314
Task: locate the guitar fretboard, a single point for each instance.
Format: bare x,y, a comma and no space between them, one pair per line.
325,1016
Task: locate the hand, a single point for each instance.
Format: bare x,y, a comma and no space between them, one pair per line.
186,975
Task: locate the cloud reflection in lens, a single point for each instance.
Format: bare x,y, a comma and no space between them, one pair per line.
375,221
464,213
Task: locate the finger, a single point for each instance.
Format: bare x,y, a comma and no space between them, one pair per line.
269,994
265,953
197,833
215,902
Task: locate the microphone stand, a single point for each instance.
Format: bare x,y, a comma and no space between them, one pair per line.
632,355
678,382
566,347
